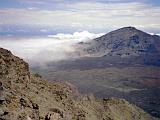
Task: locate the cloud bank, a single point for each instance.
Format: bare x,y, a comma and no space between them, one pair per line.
84,14
38,51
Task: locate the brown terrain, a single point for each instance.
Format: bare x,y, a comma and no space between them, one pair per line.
123,63
26,96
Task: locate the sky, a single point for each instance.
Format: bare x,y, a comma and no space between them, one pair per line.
46,30
82,14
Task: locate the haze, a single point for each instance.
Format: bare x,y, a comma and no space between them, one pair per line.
38,51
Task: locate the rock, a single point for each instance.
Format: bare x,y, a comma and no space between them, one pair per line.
35,106
24,102
28,118
1,112
56,100
56,110
2,95
48,117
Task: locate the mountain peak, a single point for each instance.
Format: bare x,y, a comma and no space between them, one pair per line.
124,43
126,31
128,28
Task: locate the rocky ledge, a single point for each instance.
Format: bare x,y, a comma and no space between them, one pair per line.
26,96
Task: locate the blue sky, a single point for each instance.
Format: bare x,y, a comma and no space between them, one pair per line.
41,3
82,14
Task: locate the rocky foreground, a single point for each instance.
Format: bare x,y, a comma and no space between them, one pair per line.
26,96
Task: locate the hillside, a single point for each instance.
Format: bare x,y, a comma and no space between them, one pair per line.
124,45
24,95
123,63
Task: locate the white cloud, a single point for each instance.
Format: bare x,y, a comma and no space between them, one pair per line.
87,15
77,36
42,50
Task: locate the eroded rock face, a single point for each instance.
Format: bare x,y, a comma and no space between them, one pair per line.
25,96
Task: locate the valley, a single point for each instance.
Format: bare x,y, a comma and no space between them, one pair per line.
124,63
138,84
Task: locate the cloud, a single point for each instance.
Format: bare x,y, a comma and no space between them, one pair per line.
77,36
38,51
86,15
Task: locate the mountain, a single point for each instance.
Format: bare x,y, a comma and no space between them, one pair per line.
126,44
26,96
124,63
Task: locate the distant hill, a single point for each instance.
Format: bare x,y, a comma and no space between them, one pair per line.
126,44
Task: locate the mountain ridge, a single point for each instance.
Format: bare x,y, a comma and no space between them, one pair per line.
124,43
26,96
